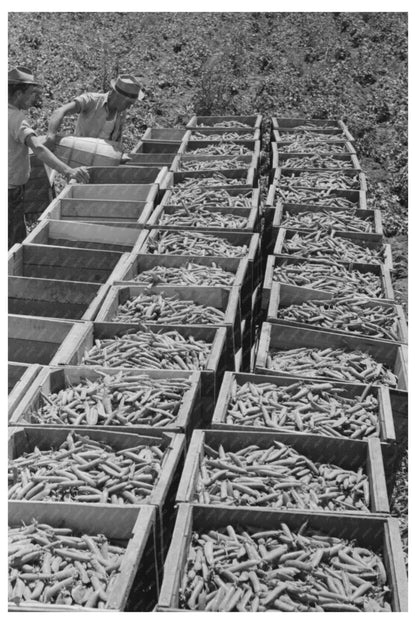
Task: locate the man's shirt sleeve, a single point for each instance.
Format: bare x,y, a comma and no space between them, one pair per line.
20,129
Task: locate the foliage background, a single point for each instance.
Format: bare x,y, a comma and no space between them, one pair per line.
345,65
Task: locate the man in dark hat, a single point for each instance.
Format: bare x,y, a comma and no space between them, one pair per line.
23,93
100,115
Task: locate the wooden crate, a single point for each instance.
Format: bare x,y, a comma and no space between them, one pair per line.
378,533
283,337
25,439
378,270
147,147
124,174
347,454
248,177
280,147
149,159
169,135
210,131
251,160
19,379
254,193
385,415
254,121
52,380
251,214
282,177
131,528
290,123
35,340
118,213
279,159
282,210
107,192
65,263
188,144
281,151
281,132
283,296
138,263
84,235
252,241
227,300
356,196
211,375
55,298
362,240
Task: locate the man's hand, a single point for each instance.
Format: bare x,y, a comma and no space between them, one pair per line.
80,174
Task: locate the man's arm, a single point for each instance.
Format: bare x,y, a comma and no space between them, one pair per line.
57,119
80,174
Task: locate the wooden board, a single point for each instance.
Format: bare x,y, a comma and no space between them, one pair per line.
52,380
283,337
381,534
342,452
20,378
385,414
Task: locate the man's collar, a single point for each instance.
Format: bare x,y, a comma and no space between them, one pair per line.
105,100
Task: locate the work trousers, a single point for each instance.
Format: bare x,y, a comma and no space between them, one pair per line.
17,227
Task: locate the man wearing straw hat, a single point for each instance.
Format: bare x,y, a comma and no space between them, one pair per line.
100,115
23,93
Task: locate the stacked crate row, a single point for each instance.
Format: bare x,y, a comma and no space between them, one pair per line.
58,279
295,461
87,258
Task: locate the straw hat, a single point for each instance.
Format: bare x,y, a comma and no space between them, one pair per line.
22,75
127,86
